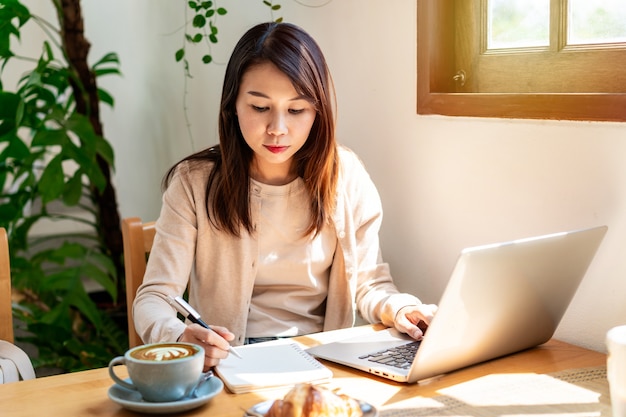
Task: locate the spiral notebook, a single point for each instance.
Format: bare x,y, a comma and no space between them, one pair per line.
269,365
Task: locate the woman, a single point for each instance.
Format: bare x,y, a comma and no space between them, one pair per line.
275,231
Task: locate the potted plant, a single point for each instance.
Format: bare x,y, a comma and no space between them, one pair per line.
55,165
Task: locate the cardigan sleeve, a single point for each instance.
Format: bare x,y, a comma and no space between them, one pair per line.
377,297
169,265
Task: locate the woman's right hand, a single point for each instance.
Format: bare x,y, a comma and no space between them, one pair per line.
214,342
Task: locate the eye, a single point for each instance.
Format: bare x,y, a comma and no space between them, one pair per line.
259,108
295,111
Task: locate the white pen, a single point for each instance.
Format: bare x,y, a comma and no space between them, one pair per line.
190,313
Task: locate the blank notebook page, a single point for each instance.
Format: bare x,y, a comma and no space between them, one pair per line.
270,364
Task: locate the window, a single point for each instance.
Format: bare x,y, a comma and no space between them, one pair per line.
522,58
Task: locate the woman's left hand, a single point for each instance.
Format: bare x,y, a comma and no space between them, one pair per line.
414,320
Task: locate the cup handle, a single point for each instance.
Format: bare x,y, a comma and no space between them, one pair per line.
119,360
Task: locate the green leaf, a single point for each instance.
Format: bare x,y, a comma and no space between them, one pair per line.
105,71
16,149
46,138
210,13
47,52
73,189
207,4
9,103
52,180
105,97
197,38
8,212
221,11
213,38
62,281
85,157
105,150
180,54
80,299
96,177
101,277
110,58
199,21
59,256
51,332
276,7
32,79
80,155
19,237
82,127
207,59
106,264
12,9
9,12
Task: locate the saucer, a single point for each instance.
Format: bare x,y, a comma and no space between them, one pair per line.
262,408
132,400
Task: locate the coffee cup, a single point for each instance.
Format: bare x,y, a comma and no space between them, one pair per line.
161,372
616,369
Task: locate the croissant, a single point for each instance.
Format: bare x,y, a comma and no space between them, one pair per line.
307,400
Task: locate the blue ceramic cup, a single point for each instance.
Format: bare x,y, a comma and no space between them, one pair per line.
161,372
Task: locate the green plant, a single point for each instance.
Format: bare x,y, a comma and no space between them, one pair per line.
204,24
55,166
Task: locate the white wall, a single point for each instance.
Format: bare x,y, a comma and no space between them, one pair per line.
446,183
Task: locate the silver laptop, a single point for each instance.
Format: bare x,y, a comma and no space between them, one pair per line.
500,299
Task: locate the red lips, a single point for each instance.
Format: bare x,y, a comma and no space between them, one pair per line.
276,149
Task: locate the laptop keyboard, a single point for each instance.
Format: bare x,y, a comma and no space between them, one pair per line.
399,356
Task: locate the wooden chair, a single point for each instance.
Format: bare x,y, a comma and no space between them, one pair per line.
6,311
15,364
138,238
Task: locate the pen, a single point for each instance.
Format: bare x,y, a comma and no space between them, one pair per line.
188,312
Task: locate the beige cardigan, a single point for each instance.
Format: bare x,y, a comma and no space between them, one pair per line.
220,269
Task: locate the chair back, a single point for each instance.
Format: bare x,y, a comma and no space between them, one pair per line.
6,311
138,238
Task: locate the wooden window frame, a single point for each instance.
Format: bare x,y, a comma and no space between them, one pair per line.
435,82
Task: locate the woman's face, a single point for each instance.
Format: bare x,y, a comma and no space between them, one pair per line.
275,122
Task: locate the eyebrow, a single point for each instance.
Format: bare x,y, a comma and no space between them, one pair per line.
263,95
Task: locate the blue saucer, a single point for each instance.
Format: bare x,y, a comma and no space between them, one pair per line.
133,401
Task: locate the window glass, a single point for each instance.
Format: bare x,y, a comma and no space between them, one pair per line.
518,23
597,21
458,76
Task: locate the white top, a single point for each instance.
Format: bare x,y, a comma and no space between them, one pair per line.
289,294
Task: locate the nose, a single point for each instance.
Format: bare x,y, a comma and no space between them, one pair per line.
277,125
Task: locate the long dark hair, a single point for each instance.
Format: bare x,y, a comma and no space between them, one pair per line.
295,53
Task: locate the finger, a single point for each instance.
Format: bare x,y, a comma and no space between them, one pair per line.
412,331
428,312
195,333
414,320
224,332
214,352
415,314
406,325
215,346
210,363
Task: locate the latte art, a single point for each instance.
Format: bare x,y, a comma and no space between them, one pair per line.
164,352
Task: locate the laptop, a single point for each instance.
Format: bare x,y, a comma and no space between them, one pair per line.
500,299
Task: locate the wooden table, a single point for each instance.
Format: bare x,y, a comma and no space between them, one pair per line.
85,393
